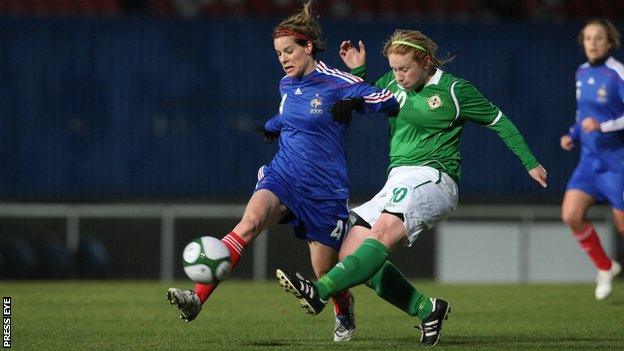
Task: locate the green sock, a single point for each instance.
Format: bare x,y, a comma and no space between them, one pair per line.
392,286
354,269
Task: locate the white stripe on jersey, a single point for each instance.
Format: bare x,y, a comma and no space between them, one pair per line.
322,68
617,123
281,106
498,117
337,71
455,102
612,125
615,65
375,98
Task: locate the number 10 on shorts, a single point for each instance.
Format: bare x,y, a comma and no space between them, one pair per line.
398,194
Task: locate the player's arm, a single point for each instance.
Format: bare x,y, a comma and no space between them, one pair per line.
275,124
569,140
575,130
612,125
272,128
375,99
380,83
616,124
355,59
363,98
474,107
591,124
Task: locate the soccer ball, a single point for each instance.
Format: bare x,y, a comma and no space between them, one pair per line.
206,260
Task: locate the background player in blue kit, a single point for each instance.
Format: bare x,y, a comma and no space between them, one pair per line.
599,128
306,184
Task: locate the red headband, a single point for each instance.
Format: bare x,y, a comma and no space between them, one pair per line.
287,32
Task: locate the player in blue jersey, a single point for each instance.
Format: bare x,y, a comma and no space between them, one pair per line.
306,183
599,128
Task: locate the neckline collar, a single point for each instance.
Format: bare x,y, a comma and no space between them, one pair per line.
306,76
600,62
435,79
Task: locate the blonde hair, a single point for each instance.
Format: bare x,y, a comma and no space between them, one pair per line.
403,42
613,36
303,27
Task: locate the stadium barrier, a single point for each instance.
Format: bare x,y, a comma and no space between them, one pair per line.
515,244
478,243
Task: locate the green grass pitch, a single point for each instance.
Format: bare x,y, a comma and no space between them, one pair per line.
122,315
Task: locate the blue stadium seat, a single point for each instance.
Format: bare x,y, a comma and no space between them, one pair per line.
21,260
93,260
56,260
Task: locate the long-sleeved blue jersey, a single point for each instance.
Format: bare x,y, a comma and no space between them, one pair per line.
600,94
311,154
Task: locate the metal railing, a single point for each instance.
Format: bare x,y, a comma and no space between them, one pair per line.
169,213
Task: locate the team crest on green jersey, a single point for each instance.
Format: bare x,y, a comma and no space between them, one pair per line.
434,102
316,103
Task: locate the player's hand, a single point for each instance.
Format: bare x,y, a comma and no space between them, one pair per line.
341,111
269,137
351,56
590,124
567,143
539,174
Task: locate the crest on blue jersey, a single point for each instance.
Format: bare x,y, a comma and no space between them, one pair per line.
316,104
602,94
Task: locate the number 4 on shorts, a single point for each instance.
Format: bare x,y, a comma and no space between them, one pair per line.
341,228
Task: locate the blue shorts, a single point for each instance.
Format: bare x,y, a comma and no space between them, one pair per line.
603,186
324,220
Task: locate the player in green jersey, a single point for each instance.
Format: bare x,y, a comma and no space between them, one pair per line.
421,189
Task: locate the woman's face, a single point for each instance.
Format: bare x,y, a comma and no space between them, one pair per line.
296,60
595,42
409,74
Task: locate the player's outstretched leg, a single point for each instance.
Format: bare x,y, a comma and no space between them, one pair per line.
190,302
431,326
303,289
344,327
187,301
604,280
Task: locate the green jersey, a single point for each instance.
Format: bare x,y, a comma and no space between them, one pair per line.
428,128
